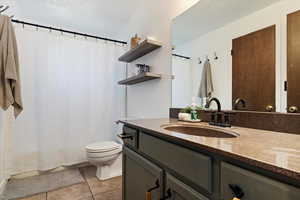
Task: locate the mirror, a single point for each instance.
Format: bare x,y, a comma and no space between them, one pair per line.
240,52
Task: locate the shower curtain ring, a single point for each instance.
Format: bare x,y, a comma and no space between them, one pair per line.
216,57
200,61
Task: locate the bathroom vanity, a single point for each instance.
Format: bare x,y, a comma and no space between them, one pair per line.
161,156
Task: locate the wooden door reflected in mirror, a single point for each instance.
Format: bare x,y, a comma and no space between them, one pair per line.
253,70
293,65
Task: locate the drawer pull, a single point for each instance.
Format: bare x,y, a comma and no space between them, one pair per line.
149,194
237,191
125,137
169,195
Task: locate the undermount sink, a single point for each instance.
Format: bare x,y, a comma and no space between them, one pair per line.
198,130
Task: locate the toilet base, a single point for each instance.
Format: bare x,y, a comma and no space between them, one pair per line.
105,172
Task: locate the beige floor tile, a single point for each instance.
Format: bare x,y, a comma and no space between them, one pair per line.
98,186
88,172
75,192
41,196
111,195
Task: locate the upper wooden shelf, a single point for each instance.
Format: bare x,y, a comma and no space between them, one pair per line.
142,49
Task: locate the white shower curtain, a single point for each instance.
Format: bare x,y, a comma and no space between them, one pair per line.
182,83
70,95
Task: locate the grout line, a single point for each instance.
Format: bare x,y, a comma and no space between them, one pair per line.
85,180
90,190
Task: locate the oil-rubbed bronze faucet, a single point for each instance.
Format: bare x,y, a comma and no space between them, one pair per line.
237,102
218,118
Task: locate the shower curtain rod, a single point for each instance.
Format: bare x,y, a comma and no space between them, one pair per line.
67,31
180,56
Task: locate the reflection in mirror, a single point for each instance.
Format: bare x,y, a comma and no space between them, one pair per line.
248,40
293,66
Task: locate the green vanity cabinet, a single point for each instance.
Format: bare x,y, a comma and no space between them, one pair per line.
180,191
139,175
192,165
192,174
254,185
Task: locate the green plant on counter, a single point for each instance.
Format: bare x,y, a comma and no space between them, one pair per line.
189,109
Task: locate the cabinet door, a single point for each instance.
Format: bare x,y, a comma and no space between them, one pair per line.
139,175
254,186
177,190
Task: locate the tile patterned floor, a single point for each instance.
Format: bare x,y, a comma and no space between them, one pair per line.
91,189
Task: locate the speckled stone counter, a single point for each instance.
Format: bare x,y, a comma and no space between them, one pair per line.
273,151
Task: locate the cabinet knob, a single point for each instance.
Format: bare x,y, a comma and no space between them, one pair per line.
293,109
269,108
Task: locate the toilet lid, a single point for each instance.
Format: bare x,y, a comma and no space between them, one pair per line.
102,146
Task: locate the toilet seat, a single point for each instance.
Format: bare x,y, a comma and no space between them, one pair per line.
103,154
101,147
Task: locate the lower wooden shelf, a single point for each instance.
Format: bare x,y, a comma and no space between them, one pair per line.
146,76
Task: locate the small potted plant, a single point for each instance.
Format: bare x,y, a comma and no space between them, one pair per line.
185,113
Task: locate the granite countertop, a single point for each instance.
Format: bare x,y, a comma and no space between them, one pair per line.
273,151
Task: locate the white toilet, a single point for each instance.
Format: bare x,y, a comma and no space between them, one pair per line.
107,157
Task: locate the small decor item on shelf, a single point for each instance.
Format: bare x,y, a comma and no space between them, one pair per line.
135,41
142,68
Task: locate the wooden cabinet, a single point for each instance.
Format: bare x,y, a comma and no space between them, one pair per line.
177,190
254,186
140,175
180,173
192,165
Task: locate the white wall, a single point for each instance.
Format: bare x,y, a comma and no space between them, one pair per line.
153,19
220,41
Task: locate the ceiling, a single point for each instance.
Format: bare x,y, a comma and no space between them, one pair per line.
100,17
208,15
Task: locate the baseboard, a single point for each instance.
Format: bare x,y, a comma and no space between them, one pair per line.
2,186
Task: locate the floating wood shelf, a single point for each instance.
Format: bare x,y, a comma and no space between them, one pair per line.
147,76
142,49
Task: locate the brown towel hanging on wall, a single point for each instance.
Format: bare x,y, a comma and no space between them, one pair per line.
10,86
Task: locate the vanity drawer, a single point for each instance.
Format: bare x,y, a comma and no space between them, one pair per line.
130,137
254,185
194,166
